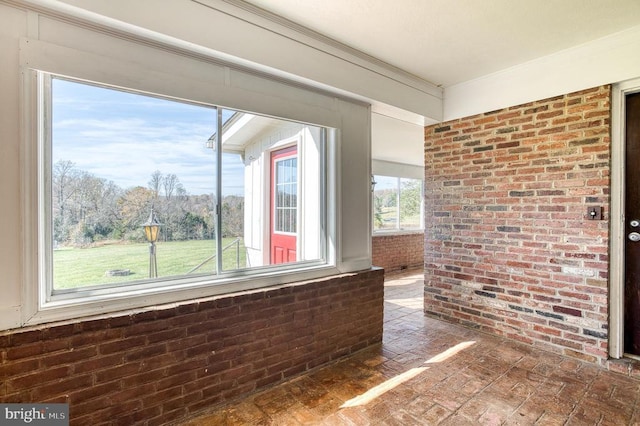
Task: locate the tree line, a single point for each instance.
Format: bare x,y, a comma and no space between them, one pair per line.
87,209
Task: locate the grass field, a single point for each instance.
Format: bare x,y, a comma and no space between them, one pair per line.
76,267
388,216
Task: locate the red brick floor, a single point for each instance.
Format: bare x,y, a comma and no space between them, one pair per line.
429,372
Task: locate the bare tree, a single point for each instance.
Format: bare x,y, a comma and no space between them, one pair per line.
170,183
87,208
156,182
64,188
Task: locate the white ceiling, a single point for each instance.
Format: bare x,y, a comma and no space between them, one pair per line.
446,42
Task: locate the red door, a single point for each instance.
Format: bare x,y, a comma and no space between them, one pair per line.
284,205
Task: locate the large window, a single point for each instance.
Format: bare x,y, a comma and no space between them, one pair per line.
117,135
397,204
220,185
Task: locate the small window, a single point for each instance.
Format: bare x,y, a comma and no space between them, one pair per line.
218,187
285,191
397,204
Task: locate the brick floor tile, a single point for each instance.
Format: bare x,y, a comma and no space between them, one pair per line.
303,415
435,415
458,420
548,419
355,416
278,405
327,406
472,387
402,418
494,416
420,405
474,408
448,398
527,414
553,405
590,409
379,410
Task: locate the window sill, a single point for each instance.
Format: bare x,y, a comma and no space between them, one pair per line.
150,298
397,232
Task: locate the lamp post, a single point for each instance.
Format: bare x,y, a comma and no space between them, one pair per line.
151,231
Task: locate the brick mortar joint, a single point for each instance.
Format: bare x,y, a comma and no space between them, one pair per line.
148,314
584,118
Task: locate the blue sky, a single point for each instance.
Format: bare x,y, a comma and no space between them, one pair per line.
125,137
385,182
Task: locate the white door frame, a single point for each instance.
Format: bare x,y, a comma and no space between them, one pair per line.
617,219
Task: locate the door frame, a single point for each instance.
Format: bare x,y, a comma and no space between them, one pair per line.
617,219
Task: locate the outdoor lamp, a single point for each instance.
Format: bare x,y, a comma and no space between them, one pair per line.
151,230
151,227
211,142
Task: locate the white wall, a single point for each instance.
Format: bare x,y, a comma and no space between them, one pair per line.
396,141
13,25
257,203
244,37
256,211
607,60
36,40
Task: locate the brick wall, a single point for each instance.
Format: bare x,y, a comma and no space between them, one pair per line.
508,247
396,252
160,365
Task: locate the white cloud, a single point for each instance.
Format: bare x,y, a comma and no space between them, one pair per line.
125,137
128,151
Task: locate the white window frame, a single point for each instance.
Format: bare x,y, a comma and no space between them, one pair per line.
37,56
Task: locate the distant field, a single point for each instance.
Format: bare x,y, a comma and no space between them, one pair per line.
389,216
76,267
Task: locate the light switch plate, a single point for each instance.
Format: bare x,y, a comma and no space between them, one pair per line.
594,213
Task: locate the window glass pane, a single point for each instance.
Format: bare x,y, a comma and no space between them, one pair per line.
286,189
116,156
262,163
410,203
122,160
385,203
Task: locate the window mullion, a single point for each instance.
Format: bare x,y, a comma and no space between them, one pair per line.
398,205
219,192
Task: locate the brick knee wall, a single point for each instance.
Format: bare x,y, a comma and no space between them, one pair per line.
164,364
396,252
508,247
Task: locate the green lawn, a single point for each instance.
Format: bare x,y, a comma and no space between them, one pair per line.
388,217
76,267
